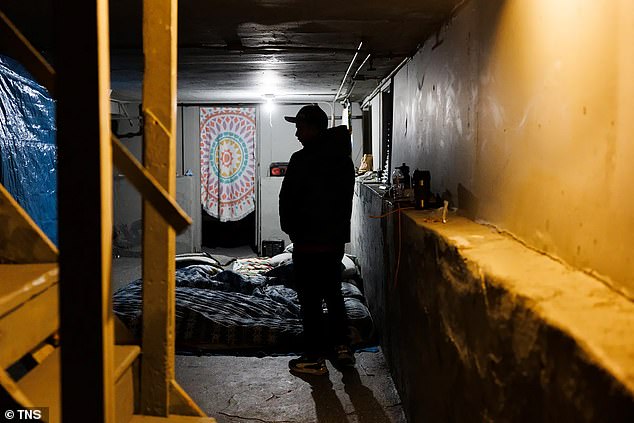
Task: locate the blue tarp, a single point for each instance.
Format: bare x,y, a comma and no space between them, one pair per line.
28,154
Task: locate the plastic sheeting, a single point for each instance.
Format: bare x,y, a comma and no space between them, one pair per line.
28,154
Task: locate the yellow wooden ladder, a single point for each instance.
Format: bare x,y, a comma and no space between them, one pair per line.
89,378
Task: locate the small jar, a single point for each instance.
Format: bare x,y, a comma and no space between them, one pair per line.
398,183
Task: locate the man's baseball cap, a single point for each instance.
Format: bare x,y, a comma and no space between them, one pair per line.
311,114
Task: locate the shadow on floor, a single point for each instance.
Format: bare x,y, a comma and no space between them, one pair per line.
328,407
250,389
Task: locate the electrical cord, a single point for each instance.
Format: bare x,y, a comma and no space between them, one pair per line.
398,255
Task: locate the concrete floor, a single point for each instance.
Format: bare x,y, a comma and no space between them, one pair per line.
124,271
248,389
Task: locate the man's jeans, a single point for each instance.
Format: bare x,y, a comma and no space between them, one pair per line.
318,277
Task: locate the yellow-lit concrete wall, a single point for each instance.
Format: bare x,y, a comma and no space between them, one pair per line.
529,106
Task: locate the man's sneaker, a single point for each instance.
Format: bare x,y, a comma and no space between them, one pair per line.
344,357
308,365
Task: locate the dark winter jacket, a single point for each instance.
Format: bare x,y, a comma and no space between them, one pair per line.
316,194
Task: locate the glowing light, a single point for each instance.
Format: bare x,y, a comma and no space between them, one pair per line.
269,82
269,106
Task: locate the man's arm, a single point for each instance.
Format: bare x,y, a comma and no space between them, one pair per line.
348,187
286,199
343,194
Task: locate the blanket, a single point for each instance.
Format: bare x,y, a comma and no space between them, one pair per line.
230,311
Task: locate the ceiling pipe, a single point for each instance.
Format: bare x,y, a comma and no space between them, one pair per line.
360,66
345,77
354,78
268,49
332,110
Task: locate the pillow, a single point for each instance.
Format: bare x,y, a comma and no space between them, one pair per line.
349,270
184,260
281,259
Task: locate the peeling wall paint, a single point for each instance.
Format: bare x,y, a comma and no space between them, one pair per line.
525,110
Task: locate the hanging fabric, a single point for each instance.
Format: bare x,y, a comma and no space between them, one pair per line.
227,161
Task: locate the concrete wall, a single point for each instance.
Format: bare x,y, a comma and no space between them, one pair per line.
476,327
126,199
525,110
188,187
276,143
367,243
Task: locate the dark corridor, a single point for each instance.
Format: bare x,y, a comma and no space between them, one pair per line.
228,234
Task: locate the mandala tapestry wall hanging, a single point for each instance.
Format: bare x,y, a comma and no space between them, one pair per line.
227,161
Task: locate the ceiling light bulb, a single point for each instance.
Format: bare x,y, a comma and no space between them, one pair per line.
269,106
269,80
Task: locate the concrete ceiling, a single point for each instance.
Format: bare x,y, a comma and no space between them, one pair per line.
239,50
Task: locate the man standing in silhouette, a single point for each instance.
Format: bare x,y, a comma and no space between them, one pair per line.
315,209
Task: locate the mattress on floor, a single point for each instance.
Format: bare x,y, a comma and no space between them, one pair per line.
219,311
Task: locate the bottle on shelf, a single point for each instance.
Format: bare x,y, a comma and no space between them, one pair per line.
422,189
398,184
406,178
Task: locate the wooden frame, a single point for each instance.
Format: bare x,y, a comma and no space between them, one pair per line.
86,150
149,187
85,210
14,43
159,239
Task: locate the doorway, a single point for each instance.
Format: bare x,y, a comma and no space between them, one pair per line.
228,176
